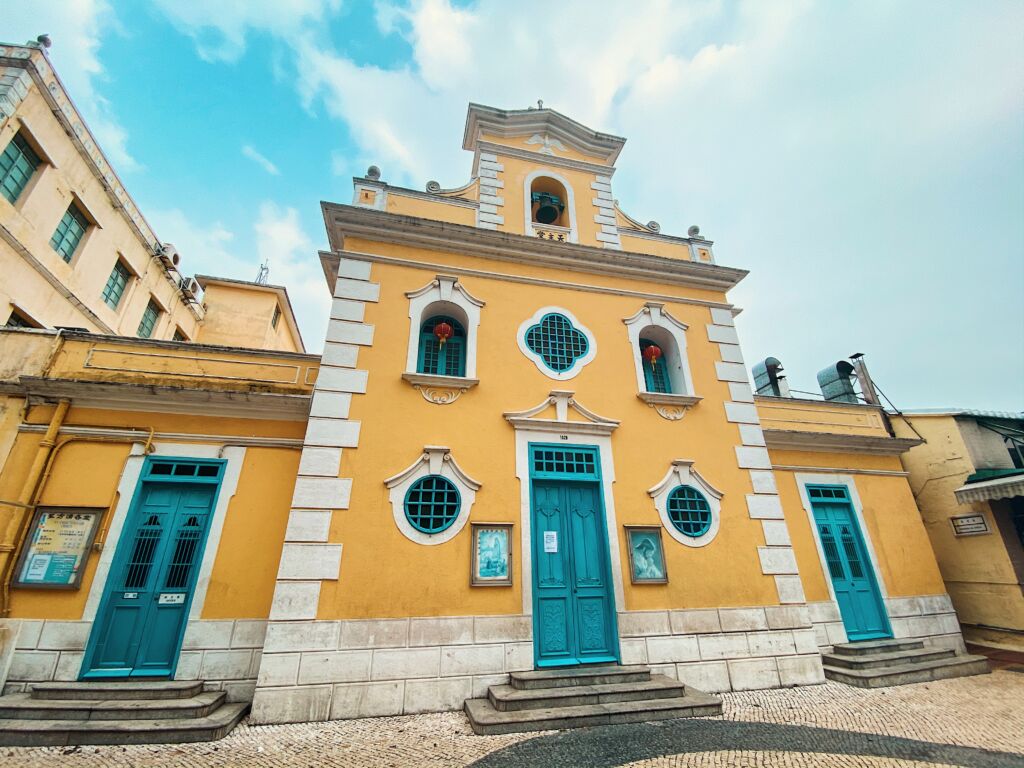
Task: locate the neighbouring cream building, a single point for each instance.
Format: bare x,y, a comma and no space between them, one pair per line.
530,447
968,479
76,251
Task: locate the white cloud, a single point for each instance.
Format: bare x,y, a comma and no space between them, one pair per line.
260,159
77,28
830,148
284,245
204,248
220,28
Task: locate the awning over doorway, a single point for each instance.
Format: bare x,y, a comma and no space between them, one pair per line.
991,485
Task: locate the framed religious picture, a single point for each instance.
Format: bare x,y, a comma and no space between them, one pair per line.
492,555
58,547
646,555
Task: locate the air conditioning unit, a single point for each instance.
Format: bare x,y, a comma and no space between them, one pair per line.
192,286
169,254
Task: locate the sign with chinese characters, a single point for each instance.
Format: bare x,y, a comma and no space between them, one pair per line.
969,525
58,547
172,598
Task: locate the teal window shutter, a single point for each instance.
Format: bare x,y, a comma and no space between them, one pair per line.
689,511
655,376
17,164
69,232
148,321
114,289
448,359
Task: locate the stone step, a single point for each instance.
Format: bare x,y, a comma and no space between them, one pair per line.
23,706
889,659
866,647
486,720
563,677
505,698
107,690
58,733
905,674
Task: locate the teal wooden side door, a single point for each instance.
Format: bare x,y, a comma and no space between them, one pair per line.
853,578
573,603
145,606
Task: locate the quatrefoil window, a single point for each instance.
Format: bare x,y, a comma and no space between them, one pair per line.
557,342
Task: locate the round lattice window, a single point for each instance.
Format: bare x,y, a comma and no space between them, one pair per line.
689,511
432,503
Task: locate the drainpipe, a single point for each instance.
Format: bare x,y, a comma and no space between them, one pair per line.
26,499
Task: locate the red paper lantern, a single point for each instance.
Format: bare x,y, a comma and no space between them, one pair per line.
651,354
443,331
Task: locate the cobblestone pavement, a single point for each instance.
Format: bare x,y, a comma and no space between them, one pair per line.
973,721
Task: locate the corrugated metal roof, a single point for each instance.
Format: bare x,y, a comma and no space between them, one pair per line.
964,412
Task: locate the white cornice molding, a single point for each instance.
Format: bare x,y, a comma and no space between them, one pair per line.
435,457
445,284
442,196
833,442
651,311
378,226
161,399
563,401
142,435
536,157
682,473
329,265
481,120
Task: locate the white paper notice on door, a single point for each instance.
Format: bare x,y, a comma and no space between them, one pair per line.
550,541
172,598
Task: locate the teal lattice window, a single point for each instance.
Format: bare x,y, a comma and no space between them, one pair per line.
655,374
564,462
432,503
448,359
114,289
828,492
17,164
557,342
69,232
148,321
689,511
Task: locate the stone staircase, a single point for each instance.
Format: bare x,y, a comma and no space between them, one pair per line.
881,663
582,696
158,712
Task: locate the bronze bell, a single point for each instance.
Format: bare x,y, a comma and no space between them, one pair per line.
547,207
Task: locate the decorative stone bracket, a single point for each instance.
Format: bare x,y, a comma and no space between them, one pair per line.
668,406
440,390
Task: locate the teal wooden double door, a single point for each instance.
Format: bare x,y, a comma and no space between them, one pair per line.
849,567
146,601
573,599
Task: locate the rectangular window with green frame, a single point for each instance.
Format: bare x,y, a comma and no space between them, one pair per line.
655,372
69,232
119,278
17,164
148,321
442,348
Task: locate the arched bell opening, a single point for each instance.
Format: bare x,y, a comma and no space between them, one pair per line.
548,203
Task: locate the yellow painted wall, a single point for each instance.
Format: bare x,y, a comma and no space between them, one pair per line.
33,219
385,574
436,210
979,574
87,474
906,563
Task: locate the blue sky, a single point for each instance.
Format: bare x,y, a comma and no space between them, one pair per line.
864,160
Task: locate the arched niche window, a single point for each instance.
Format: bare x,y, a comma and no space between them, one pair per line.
442,348
658,344
550,207
442,309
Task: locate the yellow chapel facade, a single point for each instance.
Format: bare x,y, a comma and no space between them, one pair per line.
530,444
